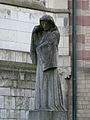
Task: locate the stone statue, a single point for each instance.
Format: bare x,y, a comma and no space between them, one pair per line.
44,48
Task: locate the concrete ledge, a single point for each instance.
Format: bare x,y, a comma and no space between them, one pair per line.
47,115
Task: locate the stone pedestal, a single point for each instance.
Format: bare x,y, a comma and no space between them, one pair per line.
47,115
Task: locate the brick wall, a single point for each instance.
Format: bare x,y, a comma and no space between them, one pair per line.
83,59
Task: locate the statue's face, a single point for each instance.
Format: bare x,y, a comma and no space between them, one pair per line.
45,25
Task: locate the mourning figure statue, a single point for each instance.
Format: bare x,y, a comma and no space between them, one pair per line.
44,49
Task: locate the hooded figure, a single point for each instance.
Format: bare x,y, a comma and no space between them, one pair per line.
44,49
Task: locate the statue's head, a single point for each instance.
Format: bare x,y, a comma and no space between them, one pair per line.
47,22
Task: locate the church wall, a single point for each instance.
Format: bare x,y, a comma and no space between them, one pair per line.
17,90
17,74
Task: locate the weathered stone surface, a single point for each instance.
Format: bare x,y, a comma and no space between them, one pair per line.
4,91
1,102
47,115
3,113
44,54
26,84
22,103
16,99
17,92
13,38
9,102
33,4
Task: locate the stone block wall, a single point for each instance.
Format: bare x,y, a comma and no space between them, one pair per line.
17,90
17,84
17,74
16,25
62,4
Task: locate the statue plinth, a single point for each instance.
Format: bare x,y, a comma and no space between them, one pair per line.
47,115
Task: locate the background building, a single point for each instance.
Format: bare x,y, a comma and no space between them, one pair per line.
17,74
83,59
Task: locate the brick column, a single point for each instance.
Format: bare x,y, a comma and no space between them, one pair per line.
83,59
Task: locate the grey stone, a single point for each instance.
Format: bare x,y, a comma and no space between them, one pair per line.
22,114
3,113
1,102
44,53
28,93
5,83
26,84
17,92
4,91
47,115
13,103
9,102
21,76
14,84
22,103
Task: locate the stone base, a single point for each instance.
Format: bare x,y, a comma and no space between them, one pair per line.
47,115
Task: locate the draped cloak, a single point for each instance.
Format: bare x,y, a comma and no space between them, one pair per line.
44,48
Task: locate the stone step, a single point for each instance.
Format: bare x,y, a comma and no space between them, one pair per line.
47,115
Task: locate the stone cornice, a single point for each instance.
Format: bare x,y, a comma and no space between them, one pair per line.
17,66
35,5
